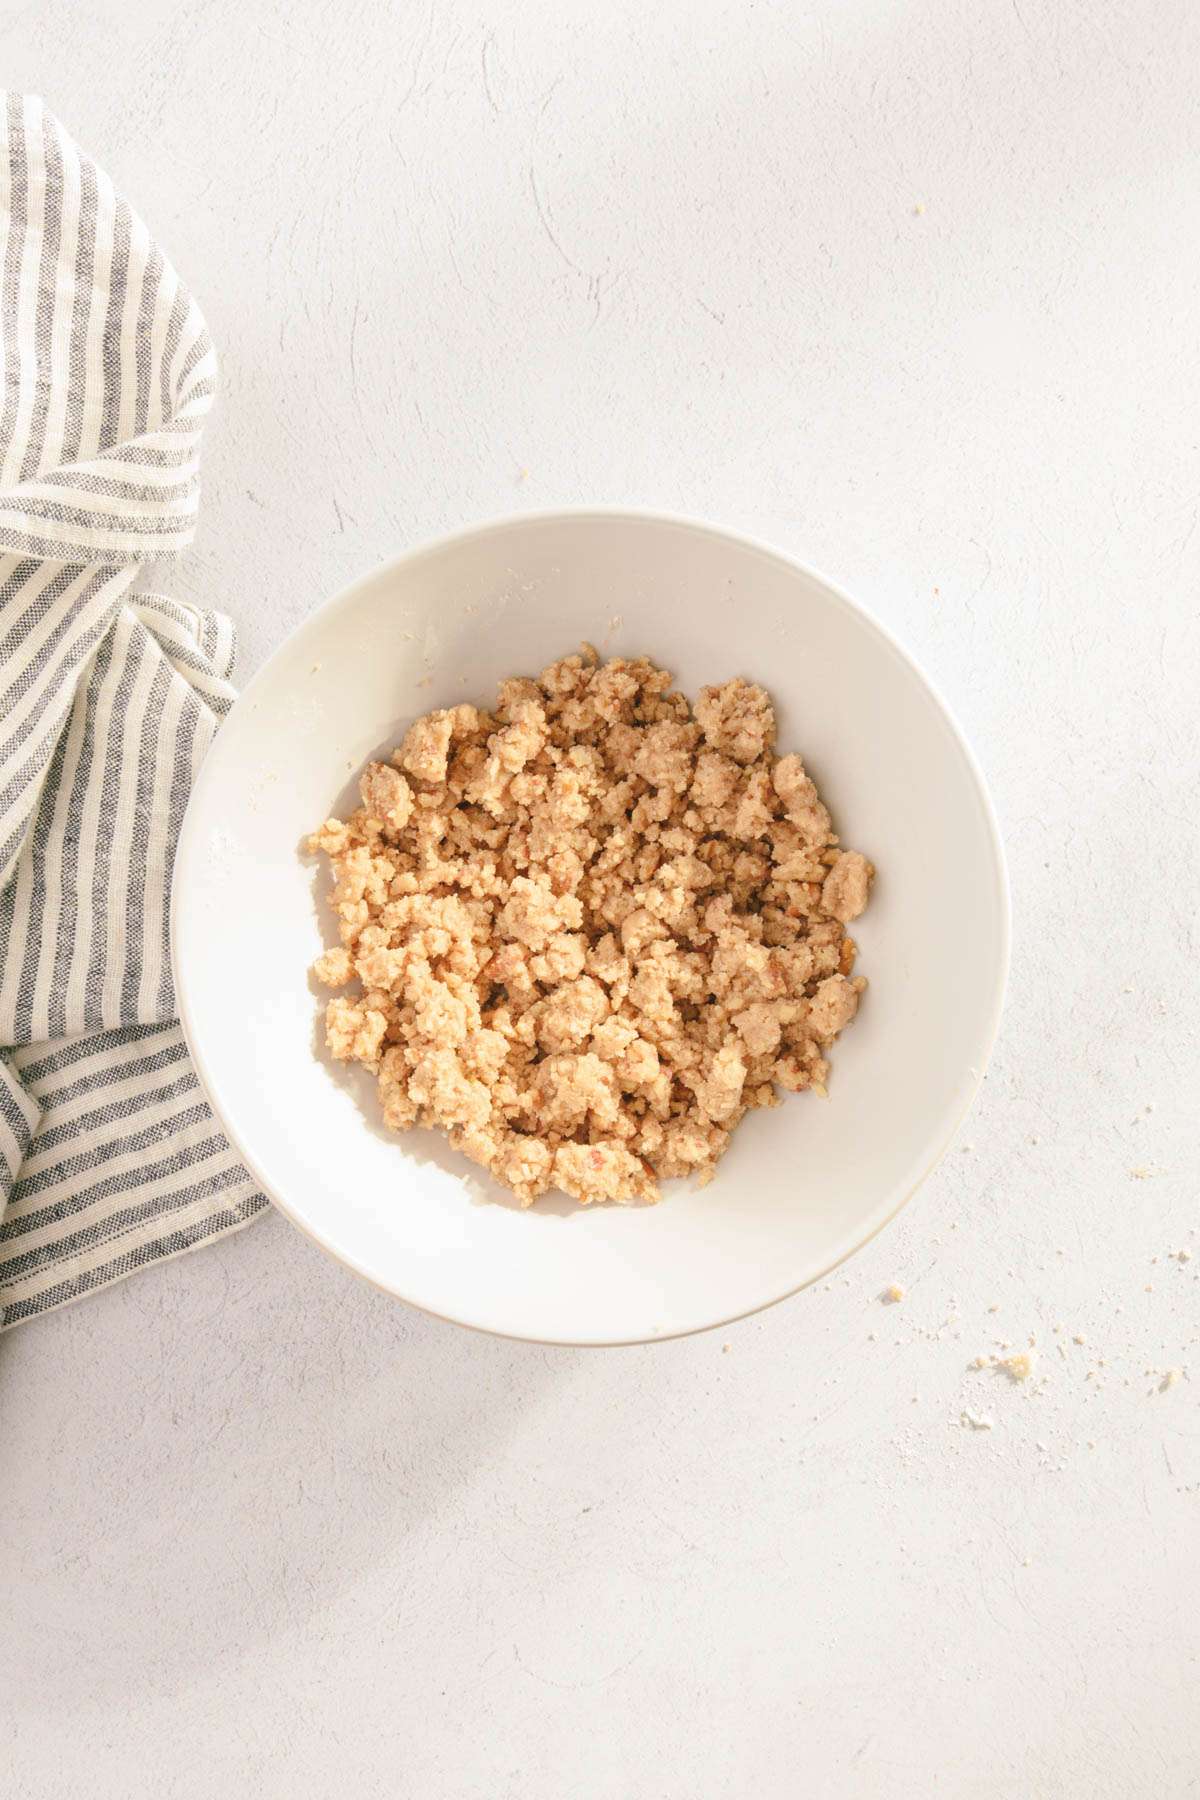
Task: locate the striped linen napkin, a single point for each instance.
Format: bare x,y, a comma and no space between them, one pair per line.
109,696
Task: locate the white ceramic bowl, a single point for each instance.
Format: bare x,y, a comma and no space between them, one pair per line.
803,1185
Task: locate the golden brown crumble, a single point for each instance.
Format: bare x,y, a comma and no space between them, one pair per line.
591,929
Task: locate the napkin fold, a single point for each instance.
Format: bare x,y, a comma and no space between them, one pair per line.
110,1157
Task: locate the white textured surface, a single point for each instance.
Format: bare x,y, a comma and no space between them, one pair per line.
266,1533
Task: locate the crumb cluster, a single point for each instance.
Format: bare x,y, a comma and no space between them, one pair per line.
589,930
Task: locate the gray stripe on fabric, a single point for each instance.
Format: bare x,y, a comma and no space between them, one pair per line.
186,658
8,849
110,1075
10,279
36,941
110,558
195,356
109,1112
209,638
81,309
29,1186
181,781
179,638
40,667
147,456
101,1231
72,736
18,784
158,610
113,1186
69,922
58,512
110,349
209,689
139,848
32,616
111,487
110,788
33,763
181,424
79,1049
81,649
179,311
19,1117
18,1110
13,582
43,325
152,276
171,1243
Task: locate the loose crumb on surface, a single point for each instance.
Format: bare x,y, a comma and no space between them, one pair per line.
977,1421
892,1294
586,932
1170,1377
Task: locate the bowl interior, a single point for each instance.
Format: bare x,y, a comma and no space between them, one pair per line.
802,1185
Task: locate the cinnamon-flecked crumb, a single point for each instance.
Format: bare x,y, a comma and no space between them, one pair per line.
591,929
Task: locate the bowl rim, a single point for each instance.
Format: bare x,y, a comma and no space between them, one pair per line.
853,1241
